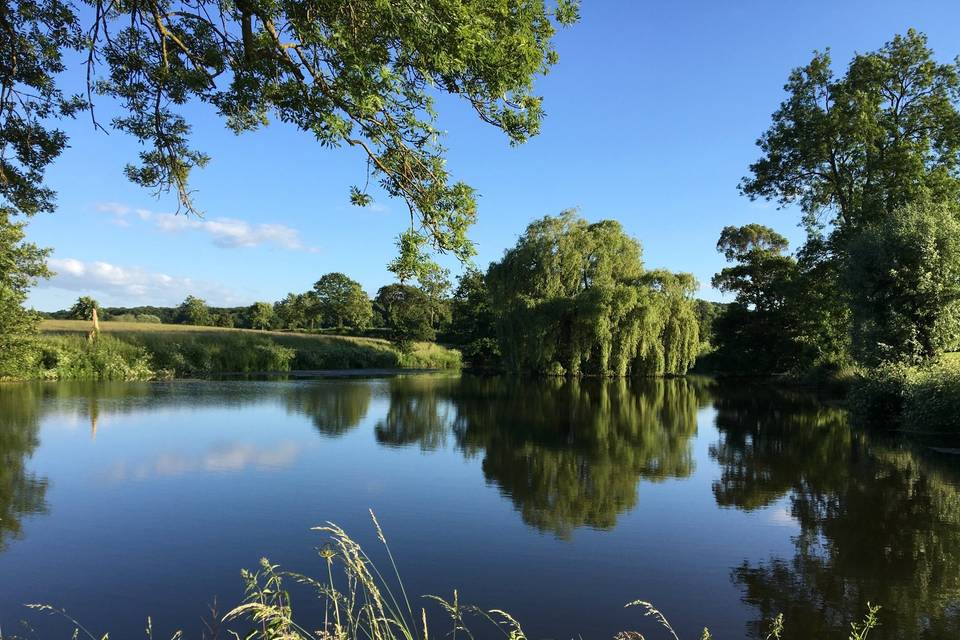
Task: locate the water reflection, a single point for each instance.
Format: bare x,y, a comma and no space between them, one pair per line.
334,407
877,521
570,453
872,518
21,493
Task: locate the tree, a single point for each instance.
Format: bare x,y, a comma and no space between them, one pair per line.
342,302
83,308
435,283
21,265
260,315
194,310
297,311
867,143
357,74
861,147
573,297
406,311
472,321
755,333
904,279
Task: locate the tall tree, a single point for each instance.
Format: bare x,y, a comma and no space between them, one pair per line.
406,312
573,297
755,333
904,279
358,74
195,311
342,302
864,144
472,320
260,315
21,265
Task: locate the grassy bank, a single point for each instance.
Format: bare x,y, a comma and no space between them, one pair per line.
919,399
137,351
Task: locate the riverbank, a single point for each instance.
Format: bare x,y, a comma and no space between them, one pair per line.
136,351
922,399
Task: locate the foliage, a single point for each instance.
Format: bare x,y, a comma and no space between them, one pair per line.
922,399
572,298
867,143
21,491
297,311
363,75
21,265
871,149
140,351
342,302
83,308
472,321
406,312
106,358
904,279
193,311
260,315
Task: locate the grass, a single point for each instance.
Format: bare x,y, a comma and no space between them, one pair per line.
359,602
132,350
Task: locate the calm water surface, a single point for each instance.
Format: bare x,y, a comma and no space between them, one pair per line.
558,501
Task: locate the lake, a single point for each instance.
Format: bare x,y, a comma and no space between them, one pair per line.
558,501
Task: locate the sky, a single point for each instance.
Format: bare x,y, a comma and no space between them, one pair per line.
652,117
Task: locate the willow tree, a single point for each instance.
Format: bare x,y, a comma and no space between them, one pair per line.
572,298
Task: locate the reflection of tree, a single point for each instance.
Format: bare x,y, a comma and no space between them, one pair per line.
876,521
21,492
335,408
418,412
569,453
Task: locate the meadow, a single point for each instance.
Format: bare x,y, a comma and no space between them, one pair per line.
137,351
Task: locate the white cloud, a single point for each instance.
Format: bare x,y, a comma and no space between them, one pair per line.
130,285
226,233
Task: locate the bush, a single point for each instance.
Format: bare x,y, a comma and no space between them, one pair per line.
923,398
105,358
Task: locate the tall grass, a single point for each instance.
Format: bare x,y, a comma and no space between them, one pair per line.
143,351
361,603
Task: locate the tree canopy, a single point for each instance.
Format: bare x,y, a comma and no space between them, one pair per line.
21,265
573,297
363,75
342,302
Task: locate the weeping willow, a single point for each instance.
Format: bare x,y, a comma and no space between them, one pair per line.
572,298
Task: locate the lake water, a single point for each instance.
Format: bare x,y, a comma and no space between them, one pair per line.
557,501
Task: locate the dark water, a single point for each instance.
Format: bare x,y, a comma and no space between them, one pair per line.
558,501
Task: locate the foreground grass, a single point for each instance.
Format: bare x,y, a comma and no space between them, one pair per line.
135,351
918,399
363,603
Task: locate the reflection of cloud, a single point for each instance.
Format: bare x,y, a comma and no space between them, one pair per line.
232,457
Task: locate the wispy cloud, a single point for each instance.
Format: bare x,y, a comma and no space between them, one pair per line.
226,233
129,285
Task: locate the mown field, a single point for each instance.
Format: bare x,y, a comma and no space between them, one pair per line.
131,350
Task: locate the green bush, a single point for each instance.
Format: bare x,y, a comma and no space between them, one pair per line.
923,398
105,358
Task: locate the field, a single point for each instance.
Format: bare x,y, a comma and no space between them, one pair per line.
140,350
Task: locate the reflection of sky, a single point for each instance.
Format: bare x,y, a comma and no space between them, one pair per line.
160,512
221,458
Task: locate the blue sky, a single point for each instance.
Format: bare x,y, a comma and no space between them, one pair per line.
653,113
